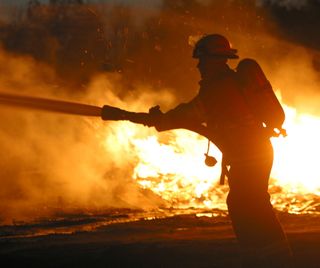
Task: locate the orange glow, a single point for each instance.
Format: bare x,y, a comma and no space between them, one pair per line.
171,165
296,156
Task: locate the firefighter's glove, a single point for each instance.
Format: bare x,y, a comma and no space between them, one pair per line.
283,132
277,132
155,115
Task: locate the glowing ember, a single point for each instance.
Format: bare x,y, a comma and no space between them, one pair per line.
171,165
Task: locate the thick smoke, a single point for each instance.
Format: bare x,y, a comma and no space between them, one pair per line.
126,56
53,163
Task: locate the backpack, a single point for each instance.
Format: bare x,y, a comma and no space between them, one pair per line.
260,97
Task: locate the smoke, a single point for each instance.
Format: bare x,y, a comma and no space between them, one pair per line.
53,163
106,54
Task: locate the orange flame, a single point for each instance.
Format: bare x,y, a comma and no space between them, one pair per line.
296,155
172,166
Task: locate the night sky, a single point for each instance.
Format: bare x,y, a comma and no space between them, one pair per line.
245,22
298,19
298,22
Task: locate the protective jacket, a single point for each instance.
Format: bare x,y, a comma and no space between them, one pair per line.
221,113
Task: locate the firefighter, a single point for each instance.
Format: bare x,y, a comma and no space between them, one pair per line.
246,148
221,112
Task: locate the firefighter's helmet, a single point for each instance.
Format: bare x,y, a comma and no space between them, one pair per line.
214,45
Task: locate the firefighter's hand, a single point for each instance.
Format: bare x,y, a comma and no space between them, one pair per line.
155,110
283,132
155,115
277,132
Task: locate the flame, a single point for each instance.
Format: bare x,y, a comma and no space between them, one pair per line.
171,165
295,166
176,171
296,155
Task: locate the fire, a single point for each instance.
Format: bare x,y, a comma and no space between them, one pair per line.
296,155
295,166
171,165
175,169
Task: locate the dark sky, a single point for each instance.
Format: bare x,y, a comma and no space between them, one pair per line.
132,2
299,21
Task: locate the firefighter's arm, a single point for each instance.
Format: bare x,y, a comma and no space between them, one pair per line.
179,117
186,116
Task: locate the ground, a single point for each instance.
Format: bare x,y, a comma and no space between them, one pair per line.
186,240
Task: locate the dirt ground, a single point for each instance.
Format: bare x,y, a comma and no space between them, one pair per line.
177,241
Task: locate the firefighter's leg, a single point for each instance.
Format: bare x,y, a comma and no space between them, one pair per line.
256,226
275,255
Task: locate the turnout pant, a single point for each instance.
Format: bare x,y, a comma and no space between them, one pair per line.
255,224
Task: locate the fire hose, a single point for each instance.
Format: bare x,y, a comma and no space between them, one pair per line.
49,105
106,112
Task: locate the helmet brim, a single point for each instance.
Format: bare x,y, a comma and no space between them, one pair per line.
232,56
228,56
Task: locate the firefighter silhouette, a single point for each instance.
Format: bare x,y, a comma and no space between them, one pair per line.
238,111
